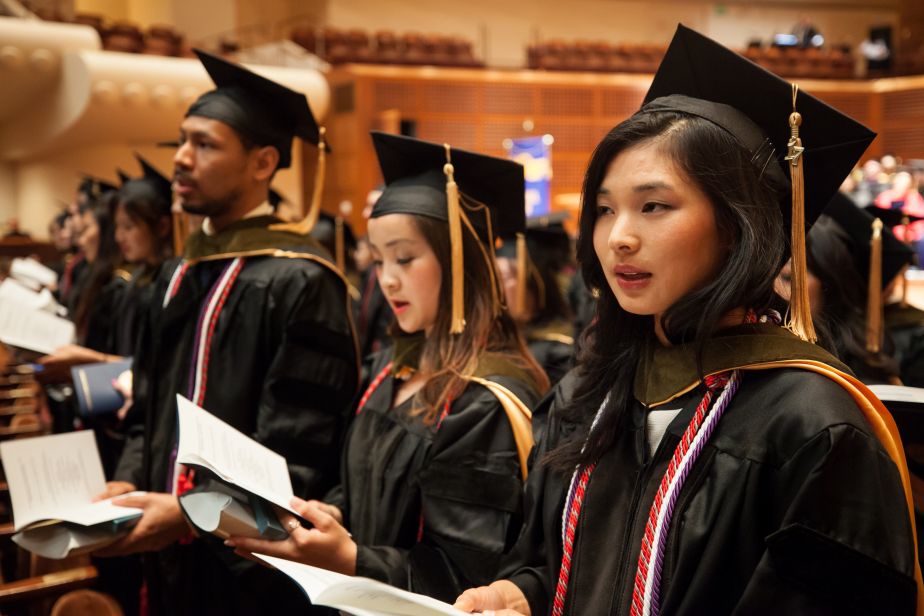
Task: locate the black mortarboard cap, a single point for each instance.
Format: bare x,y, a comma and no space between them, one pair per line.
859,227
152,185
891,218
92,187
753,104
263,111
793,138
123,175
415,183
547,240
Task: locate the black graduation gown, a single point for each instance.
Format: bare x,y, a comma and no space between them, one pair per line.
553,347
459,486
905,327
282,369
130,308
105,312
792,508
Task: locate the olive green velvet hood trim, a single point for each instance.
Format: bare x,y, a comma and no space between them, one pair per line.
665,373
245,237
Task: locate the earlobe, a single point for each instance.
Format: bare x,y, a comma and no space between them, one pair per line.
267,162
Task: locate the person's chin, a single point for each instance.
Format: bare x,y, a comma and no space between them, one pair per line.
640,306
408,326
192,207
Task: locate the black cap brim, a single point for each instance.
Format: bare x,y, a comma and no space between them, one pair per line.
495,182
891,218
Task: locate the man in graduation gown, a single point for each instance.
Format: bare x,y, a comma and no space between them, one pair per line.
253,325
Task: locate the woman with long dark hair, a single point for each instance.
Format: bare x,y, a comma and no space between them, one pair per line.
702,459
434,461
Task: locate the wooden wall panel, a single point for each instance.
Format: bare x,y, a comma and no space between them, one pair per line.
566,101
511,99
478,109
904,105
494,131
571,136
395,95
458,133
451,98
906,140
854,104
621,102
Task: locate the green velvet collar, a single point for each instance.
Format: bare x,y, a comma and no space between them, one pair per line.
247,236
665,373
408,347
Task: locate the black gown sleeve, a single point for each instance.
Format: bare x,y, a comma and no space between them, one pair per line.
470,489
130,467
103,316
532,562
838,549
311,379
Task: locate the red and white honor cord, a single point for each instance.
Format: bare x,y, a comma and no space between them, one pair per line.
648,574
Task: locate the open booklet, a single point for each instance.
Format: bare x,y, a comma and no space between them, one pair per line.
356,595
26,323
900,394
33,273
52,481
249,478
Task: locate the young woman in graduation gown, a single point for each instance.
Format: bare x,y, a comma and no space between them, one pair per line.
702,459
434,461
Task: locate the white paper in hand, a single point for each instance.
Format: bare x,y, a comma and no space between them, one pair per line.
33,273
25,326
357,595
50,476
209,442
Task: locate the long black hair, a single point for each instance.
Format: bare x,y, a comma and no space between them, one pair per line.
108,258
750,226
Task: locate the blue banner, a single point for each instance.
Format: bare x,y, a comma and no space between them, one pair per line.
535,154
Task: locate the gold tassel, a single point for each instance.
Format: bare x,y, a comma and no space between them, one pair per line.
874,293
800,310
522,271
455,241
306,224
339,256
